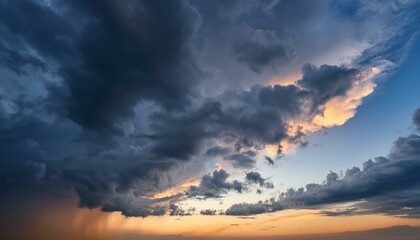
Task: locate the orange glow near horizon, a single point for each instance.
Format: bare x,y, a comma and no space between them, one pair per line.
47,220
284,223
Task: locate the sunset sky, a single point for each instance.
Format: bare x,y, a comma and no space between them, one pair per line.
204,119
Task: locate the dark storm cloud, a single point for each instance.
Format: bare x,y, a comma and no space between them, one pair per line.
235,8
388,185
102,61
137,57
27,146
257,34
39,26
416,118
255,177
39,169
247,119
327,81
215,184
118,54
263,49
217,151
109,56
18,61
138,207
143,164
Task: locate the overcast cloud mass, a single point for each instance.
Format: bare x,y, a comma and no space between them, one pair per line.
118,102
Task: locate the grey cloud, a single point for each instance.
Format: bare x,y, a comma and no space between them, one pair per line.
344,212
241,160
416,118
137,207
143,163
259,35
269,160
144,68
95,71
245,209
18,61
99,61
175,210
208,212
263,49
215,184
255,177
388,185
39,168
143,207
326,81
234,9
218,151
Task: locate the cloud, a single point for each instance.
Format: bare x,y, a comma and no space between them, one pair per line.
388,185
217,151
255,177
208,212
269,160
120,101
94,71
262,49
326,81
241,160
177,211
149,162
39,169
245,209
18,61
215,184
138,71
416,118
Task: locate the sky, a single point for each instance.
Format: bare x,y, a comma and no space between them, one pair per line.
211,119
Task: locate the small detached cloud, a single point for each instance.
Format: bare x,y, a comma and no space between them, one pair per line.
255,178
269,160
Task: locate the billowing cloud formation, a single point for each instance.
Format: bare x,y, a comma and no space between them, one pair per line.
214,185
89,94
385,185
119,101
